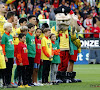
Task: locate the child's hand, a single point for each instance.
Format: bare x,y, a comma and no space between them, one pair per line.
21,64
51,57
6,59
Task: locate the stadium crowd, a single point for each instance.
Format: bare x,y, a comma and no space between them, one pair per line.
19,25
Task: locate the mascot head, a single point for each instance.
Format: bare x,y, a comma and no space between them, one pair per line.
62,18
65,17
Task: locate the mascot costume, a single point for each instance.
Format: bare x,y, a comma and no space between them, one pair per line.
67,26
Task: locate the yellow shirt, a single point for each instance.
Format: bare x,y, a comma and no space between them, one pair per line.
13,33
41,36
18,30
2,59
15,40
64,41
47,43
2,21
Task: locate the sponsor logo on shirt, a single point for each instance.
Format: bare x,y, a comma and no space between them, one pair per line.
11,41
48,45
55,48
25,50
32,41
39,46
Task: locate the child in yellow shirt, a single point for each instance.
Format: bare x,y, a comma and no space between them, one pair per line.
46,54
2,65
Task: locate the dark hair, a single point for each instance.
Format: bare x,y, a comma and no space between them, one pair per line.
46,30
31,17
10,14
21,35
38,28
21,20
51,34
45,25
30,25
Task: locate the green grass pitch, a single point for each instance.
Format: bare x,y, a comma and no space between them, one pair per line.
89,74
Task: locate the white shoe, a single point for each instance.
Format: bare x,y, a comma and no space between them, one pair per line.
1,83
35,84
40,84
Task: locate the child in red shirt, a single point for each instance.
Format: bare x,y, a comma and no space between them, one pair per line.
22,61
37,57
87,31
96,31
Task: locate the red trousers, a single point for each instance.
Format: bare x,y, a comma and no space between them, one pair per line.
64,57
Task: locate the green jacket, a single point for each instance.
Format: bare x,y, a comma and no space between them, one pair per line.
30,41
9,46
56,58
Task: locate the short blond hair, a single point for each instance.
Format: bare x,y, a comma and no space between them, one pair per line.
6,25
23,28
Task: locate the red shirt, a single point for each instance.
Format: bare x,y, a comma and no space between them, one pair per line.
38,50
56,5
87,35
96,32
95,14
22,55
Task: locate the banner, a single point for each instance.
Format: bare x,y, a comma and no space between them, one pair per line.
83,57
90,43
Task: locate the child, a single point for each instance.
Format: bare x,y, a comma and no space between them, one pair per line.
24,30
56,59
30,40
22,61
2,65
45,25
37,57
8,49
22,22
46,54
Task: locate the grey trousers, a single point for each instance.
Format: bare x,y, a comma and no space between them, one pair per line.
54,69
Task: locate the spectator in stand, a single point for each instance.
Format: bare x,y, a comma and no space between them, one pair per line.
47,15
52,14
30,10
97,21
22,7
88,21
73,5
45,8
41,16
96,31
86,5
81,35
22,15
63,2
66,4
55,4
19,7
87,31
29,4
94,13
34,5
84,14
80,3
